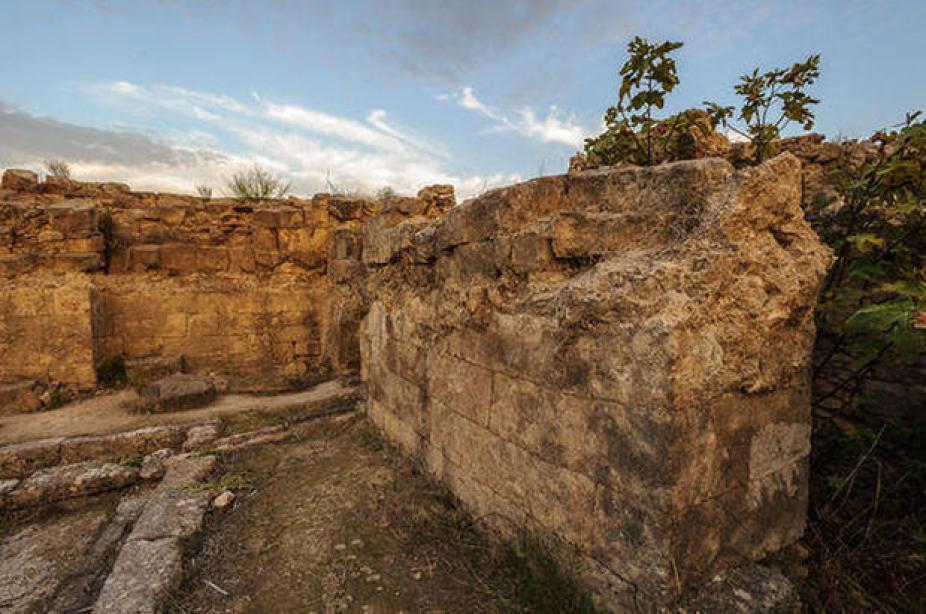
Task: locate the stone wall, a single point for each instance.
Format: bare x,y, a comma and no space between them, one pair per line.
240,290
617,359
45,331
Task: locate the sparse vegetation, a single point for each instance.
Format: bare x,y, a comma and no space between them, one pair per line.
110,373
386,193
204,191
258,183
771,101
58,168
632,133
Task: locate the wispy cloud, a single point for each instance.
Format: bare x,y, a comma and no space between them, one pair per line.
556,127
309,145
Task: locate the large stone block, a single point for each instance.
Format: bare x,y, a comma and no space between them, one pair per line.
620,353
20,180
73,217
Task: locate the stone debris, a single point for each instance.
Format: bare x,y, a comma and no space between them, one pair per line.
248,439
153,465
70,481
6,487
21,398
179,391
749,589
121,445
21,459
223,500
20,180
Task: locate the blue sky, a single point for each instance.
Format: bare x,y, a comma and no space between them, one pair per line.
167,94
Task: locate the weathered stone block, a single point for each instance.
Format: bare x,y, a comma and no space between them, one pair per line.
73,216
278,217
183,258
147,369
179,391
636,394
20,180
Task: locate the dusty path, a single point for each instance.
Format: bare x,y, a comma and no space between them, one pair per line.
337,522
108,413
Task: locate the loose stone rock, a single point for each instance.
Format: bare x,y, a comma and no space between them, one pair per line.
223,500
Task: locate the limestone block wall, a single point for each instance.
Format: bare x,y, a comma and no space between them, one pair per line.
45,329
615,359
242,290
256,333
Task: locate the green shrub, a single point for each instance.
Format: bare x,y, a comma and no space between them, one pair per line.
873,303
257,183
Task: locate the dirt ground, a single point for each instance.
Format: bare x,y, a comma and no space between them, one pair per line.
108,413
338,522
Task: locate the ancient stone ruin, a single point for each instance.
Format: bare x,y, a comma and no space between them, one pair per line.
615,360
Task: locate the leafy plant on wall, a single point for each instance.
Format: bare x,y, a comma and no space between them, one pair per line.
771,101
632,133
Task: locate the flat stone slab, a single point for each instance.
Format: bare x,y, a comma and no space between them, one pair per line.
77,592
152,368
172,513
179,391
37,559
70,481
143,577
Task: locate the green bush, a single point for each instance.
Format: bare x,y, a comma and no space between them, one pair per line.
257,183
873,303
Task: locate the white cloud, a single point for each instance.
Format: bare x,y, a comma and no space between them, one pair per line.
305,144
555,128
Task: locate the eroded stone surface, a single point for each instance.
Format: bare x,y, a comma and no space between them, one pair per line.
143,577
617,358
69,481
200,436
35,560
749,589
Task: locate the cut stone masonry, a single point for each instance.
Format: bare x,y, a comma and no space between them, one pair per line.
615,360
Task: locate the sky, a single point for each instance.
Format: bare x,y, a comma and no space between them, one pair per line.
358,95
